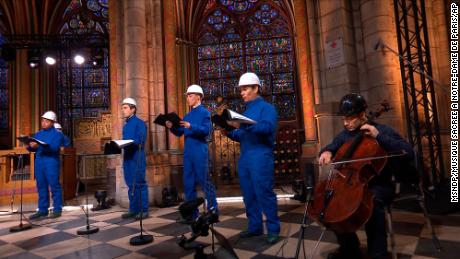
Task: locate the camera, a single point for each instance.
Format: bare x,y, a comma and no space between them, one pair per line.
199,226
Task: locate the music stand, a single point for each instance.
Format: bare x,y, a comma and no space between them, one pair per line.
21,226
88,229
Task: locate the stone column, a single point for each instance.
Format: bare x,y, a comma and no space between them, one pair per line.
129,76
155,72
135,48
382,68
305,77
170,48
331,20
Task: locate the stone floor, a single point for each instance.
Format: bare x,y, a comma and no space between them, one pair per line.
57,238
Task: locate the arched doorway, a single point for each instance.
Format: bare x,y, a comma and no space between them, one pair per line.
237,36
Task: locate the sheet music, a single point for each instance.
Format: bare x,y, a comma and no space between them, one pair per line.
121,143
234,116
26,140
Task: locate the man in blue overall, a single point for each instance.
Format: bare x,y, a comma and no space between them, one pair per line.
196,126
134,161
256,163
353,109
47,166
66,140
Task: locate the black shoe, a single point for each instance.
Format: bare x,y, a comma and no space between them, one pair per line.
246,234
272,238
128,215
38,215
55,214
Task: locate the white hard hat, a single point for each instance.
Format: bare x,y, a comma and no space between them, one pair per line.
195,89
57,125
249,79
129,100
49,115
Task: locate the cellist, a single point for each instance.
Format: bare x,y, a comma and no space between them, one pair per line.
353,109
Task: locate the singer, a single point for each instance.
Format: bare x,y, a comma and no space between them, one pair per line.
256,163
353,109
134,161
47,165
196,126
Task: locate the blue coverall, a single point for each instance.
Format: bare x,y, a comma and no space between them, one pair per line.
134,164
47,166
66,140
196,155
380,186
256,165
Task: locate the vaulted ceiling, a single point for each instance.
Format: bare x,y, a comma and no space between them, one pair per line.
31,16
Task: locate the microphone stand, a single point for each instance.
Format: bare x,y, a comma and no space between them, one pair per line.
21,226
303,226
88,229
142,239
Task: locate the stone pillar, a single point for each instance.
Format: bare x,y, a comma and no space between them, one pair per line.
169,28
155,72
24,80
382,68
135,48
129,76
328,21
305,77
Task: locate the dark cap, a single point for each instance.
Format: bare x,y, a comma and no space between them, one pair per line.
352,104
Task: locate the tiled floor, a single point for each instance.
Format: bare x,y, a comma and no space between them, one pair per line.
57,238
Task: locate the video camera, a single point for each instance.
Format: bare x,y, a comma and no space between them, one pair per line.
199,226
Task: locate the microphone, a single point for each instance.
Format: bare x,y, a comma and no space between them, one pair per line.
186,209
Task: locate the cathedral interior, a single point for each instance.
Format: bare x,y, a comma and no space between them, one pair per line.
81,58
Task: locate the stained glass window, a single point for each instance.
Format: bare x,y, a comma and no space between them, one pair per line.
85,16
4,94
4,97
238,36
247,35
83,90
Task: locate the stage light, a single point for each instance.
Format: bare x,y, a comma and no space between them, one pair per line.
50,60
97,57
33,58
79,59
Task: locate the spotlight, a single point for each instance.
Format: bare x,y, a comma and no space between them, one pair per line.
34,57
50,60
97,57
79,59
101,196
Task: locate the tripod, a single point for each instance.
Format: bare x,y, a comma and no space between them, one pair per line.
21,226
303,226
88,229
309,189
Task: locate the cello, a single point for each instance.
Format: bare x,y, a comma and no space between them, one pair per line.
343,202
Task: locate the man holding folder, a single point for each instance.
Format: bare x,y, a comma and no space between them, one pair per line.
196,126
47,165
256,163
